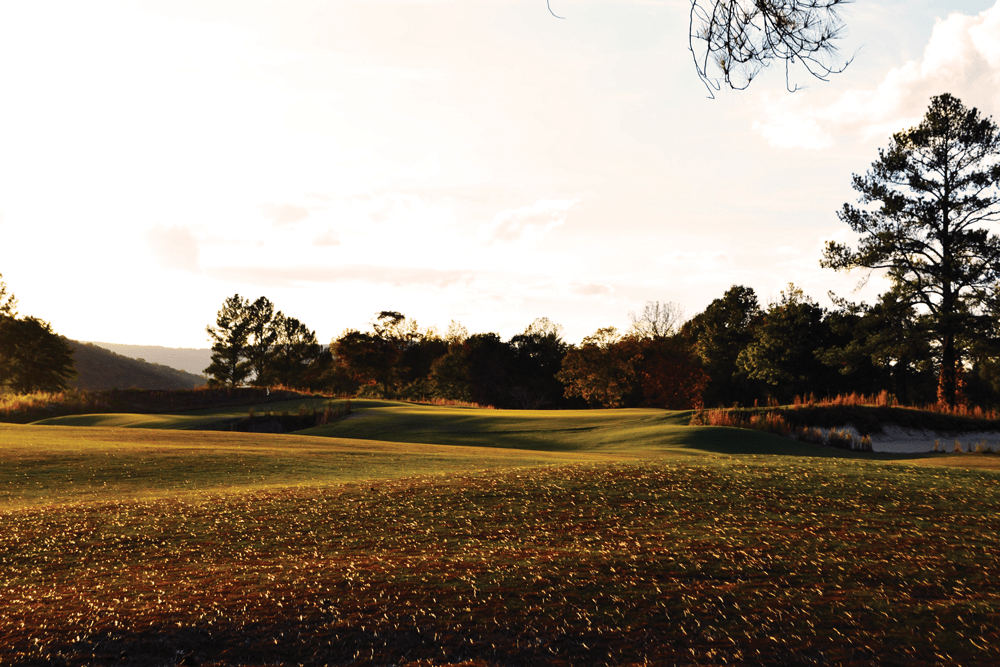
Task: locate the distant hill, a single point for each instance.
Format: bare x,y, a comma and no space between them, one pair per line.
98,368
192,360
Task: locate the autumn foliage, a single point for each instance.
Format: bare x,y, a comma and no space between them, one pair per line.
609,371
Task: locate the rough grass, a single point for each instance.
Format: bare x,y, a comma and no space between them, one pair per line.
733,560
597,537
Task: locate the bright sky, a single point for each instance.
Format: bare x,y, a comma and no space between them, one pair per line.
476,160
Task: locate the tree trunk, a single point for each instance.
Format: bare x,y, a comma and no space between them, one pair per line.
948,393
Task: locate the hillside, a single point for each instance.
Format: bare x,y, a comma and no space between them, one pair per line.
98,368
189,359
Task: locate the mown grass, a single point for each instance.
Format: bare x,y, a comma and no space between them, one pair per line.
618,537
64,464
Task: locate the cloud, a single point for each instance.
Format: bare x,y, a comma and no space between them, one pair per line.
528,223
173,247
327,239
962,57
590,289
284,214
365,273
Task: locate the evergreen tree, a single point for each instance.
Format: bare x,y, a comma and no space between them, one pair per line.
294,350
33,357
934,188
230,337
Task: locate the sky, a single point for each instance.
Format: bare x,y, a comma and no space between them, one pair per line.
472,160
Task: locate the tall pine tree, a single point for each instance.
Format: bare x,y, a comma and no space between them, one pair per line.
933,190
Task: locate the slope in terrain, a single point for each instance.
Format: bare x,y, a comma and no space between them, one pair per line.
98,369
188,359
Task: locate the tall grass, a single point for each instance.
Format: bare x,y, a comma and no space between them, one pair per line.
24,408
16,405
447,402
774,422
885,399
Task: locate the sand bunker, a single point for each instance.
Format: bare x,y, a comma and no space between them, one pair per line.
897,440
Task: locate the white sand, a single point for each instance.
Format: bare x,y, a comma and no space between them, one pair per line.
896,440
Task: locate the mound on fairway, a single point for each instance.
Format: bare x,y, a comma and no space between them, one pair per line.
42,465
630,431
633,432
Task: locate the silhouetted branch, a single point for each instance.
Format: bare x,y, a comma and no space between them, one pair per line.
742,37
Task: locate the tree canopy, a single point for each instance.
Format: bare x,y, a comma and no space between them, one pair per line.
931,193
32,356
253,343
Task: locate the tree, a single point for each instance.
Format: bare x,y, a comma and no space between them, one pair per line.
393,335
262,326
294,349
669,375
742,37
230,337
489,363
449,375
934,187
719,334
251,341
33,357
884,346
783,352
657,320
8,304
538,356
601,371
358,359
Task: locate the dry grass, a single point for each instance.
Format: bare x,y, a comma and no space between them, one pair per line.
885,399
734,561
447,402
775,422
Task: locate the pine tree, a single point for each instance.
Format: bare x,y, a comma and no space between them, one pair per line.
934,188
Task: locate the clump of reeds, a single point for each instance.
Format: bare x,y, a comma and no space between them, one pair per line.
332,413
447,402
771,422
883,399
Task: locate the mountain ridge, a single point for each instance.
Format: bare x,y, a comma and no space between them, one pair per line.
99,368
192,360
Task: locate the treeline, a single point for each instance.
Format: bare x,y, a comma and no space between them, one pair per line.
736,351
395,358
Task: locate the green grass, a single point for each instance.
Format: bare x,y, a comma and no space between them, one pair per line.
599,537
207,419
66,464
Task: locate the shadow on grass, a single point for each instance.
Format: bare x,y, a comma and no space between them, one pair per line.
325,641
